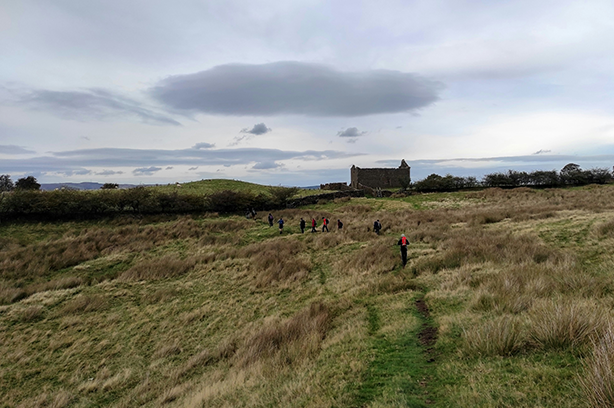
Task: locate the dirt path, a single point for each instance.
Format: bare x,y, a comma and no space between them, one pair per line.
427,338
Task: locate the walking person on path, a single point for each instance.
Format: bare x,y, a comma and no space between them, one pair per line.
270,220
281,225
313,225
403,242
324,224
339,225
302,226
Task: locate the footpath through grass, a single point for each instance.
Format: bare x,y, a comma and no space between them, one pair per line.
402,364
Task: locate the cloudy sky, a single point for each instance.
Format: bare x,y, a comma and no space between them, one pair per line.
295,92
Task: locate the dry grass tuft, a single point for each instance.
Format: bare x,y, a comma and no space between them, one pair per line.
165,349
31,314
161,295
290,340
167,266
85,304
605,229
597,380
503,336
9,294
375,257
59,399
278,260
565,323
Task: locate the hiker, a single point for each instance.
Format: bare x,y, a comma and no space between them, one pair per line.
324,224
403,242
377,226
253,213
302,226
281,225
339,225
313,225
270,220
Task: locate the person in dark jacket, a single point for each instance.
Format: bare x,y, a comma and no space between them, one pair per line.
377,226
281,225
403,242
302,226
339,225
270,220
313,225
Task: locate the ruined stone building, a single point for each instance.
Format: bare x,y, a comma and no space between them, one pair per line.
382,178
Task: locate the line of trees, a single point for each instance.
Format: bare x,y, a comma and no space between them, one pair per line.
570,175
30,203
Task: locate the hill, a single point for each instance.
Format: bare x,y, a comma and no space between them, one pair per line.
506,301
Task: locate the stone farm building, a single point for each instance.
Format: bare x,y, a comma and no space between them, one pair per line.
382,178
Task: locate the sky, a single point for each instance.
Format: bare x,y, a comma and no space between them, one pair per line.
296,92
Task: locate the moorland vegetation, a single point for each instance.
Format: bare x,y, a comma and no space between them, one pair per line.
506,301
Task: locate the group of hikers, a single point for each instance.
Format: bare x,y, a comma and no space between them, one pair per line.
302,224
377,227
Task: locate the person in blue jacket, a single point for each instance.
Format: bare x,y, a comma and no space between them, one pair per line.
281,225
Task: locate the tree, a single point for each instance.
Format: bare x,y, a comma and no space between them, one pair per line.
27,183
280,195
6,184
110,186
572,174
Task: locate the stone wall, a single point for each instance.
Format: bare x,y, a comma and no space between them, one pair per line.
313,199
383,178
334,186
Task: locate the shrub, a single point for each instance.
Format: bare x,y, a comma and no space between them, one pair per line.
27,183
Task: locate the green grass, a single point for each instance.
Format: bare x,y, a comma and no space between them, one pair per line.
187,336
205,187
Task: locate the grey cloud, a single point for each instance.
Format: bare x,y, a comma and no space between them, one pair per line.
109,173
146,158
193,168
295,88
542,151
12,149
146,171
259,129
267,165
92,104
350,132
169,168
203,145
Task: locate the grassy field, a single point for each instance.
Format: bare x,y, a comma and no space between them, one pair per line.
205,187
506,302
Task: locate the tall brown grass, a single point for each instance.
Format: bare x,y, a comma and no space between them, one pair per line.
290,340
597,379
167,266
502,336
379,256
565,323
277,260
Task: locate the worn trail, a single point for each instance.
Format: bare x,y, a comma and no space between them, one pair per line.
402,364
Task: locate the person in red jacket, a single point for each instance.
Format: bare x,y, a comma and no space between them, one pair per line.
313,225
403,242
324,224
